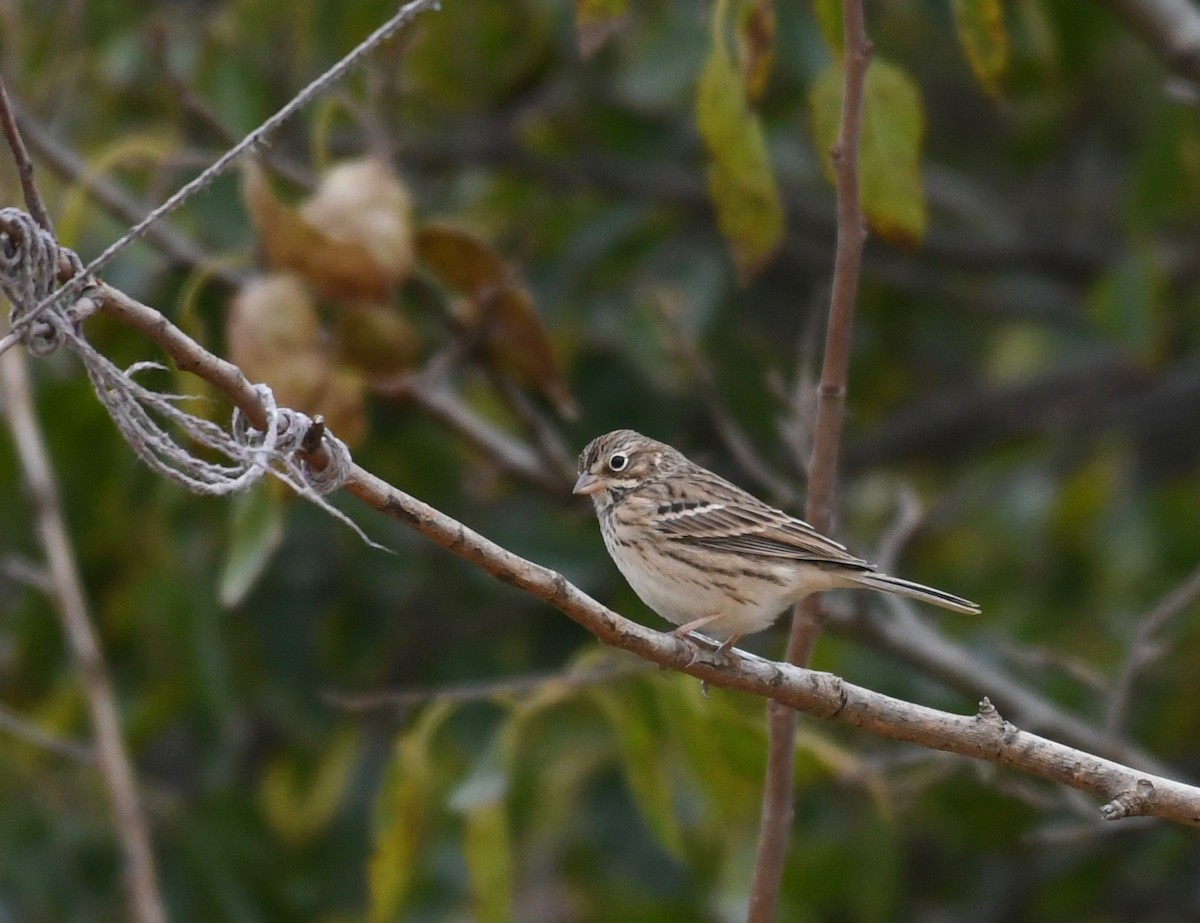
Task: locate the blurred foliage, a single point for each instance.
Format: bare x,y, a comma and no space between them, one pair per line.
1024,359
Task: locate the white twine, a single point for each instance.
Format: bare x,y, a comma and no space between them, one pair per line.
28,279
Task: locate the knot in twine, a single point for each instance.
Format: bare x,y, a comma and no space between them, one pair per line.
29,261
285,435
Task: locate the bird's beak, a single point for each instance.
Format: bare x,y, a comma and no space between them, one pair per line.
588,483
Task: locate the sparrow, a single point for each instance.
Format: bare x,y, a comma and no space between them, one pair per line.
705,554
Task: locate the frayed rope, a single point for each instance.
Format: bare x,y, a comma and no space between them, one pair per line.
29,264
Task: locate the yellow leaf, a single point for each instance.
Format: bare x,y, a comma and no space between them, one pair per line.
984,39
402,816
482,800
596,21
296,811
890,185
741,183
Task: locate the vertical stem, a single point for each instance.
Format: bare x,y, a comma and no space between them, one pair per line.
66,588
67,593
777,810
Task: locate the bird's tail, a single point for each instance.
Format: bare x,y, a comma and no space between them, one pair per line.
916,591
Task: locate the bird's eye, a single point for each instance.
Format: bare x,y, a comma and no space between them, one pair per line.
618,461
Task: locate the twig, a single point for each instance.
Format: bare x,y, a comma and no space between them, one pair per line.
913,641
776,822
402,699
32,734
1143,650
29,189
67,591
740,446
440,403
180,251
547,440
23,571
85,649
1170,27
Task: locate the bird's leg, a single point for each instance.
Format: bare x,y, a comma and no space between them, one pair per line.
687,628
728,643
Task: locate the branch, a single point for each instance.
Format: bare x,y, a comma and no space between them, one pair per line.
85,649
1144,649
32,734
66,588
402,699
983,737
776,822
1170,27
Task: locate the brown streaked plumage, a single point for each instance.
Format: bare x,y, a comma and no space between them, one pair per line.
703,553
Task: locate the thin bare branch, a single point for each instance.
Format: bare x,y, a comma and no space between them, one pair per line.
1170,27
29,189
1145,649
403,699
72,609
739,444
775,825
30,733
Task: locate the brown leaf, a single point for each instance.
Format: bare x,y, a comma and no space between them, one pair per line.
351,240
274,336
375,339
756,45
499,310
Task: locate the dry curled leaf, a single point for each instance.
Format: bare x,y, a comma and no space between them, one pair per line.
497,309
352,239
274,336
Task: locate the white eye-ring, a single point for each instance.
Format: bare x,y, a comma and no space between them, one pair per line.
617,461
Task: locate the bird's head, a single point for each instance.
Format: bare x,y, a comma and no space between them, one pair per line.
619,461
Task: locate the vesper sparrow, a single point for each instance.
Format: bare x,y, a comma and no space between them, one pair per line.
703,553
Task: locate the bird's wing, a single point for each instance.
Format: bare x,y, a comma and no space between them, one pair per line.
741,527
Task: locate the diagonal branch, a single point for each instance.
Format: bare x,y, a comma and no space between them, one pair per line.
985,736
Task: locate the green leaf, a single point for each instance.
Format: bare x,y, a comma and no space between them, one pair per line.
487,845
596,21
984,39
402,816
255,533
646,757
893,196
740,180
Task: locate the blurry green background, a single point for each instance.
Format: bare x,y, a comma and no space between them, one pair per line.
1025,363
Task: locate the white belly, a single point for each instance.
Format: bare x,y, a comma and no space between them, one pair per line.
681,594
